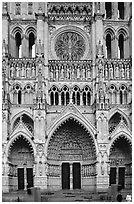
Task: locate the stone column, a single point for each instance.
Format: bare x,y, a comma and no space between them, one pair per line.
22,98
59,99
71,176
25,178
115,10
40,26
127,11
126,48
118,97
81,101
4,126
115,48
5,23
93,46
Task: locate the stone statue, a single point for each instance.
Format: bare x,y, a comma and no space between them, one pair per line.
117,72
111,72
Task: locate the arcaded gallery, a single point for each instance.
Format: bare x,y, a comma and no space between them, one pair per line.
66,95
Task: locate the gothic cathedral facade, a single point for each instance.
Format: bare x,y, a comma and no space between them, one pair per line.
67,95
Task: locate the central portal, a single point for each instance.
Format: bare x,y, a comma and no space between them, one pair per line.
71,157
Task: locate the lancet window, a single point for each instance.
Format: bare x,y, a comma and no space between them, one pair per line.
54,96
76,95
28,94
18,45
108,46
17,95
121,10
123,94
31,45
65,96
86,96
121,46
113,94
108,8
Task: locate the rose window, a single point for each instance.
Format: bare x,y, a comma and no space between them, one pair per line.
70,46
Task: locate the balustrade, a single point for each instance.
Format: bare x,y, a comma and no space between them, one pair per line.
70,70
22,68
117,69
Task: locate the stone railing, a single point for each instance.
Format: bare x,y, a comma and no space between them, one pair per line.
70,70
22,68
117,69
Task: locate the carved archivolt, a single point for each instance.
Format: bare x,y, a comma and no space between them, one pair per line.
71,142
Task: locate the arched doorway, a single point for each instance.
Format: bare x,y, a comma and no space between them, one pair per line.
20,164
121,163
71,157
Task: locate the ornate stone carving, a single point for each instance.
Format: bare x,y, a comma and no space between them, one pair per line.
22,68
71,142
39,148
80,70
69,11
117,69
70,46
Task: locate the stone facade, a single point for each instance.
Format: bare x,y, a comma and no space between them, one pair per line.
67,95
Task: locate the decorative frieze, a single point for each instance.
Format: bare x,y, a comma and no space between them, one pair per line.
69,11
22,68
70,70
117,69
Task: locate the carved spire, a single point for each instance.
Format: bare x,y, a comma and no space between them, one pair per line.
4,49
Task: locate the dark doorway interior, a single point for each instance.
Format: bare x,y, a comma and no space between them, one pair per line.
112,175
76,176
30,177
121,177
20,178
65,176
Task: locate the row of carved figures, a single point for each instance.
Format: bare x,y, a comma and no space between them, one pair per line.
112,70
22,70
115,70
70,71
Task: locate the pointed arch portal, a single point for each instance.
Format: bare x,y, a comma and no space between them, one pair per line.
20,163
121,163
71,157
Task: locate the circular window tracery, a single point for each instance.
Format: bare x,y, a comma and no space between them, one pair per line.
70,46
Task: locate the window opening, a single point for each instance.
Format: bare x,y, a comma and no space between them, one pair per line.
108,7
121,10
31,45
18,45
62,99
52,98
19,97
56,98
108,46
121,46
